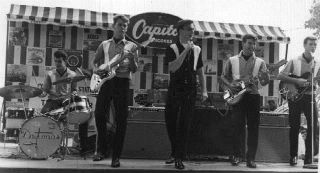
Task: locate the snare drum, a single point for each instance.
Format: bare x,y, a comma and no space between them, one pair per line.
40,137
57,114
79,109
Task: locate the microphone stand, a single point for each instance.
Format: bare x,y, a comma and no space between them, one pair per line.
312,165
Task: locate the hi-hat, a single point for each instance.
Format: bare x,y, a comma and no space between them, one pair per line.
69,80
19,92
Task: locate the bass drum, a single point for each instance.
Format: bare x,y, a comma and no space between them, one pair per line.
40,137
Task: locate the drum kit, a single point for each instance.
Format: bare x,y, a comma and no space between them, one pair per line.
42,135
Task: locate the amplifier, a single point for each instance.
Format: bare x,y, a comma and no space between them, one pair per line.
14,123
19,113
12,132
274,119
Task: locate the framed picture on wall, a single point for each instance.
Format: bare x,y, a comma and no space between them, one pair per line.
55,39
225,51
270,103
91,41
16,73
18,36
160,81
210,67
36,56
259,51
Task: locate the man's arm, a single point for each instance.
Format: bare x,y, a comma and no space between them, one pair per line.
133,60
98,57
47,84
204,92
176,64
284,75
226,76
265,75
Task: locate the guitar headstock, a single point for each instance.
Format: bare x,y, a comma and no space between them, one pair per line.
272,67
145,43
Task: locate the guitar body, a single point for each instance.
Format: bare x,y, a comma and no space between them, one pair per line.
234,99
98,80
292,92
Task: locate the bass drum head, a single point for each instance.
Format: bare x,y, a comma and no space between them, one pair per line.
40,137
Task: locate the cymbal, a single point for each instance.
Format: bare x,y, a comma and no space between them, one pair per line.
19,91
69,80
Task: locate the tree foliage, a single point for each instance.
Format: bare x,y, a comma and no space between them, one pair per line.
314,22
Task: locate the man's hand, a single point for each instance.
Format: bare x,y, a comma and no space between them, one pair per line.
302,82
74,93
204,96
104,67
129,55
234,87
190,46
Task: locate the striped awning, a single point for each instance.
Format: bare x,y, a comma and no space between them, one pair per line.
236,31
61,16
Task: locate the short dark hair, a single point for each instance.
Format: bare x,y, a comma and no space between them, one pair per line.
249,37
61,54
183,23
121,17
312,38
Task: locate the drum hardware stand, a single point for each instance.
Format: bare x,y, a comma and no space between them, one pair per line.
66,130
5,131
312,165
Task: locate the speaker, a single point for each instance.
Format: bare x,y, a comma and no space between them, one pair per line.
273,144
146,140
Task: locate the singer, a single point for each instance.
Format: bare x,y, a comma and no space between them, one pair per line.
184,61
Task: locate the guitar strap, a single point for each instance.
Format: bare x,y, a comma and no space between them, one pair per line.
297,67
106,46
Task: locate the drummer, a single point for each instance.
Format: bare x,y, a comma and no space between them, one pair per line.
59,92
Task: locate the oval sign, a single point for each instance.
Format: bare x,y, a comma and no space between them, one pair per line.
160,26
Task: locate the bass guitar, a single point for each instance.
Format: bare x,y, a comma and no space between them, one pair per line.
293,92
234,97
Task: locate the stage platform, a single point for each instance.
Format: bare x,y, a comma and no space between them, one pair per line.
75,164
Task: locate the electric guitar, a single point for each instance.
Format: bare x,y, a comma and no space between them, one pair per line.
99,78
293,92
233,98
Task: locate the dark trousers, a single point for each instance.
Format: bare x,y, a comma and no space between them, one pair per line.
178,114
116,89
246,112
83,128
295,110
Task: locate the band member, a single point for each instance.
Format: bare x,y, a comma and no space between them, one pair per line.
59,92
185,63
116,89
243,67
299,66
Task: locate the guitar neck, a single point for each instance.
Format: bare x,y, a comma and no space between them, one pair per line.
122,57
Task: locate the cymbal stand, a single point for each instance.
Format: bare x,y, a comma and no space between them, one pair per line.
24,107
66,129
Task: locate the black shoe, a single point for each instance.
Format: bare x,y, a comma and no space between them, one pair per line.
307,161
170,160
251,164
235,161
178,164
115,163
293,160
98,157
